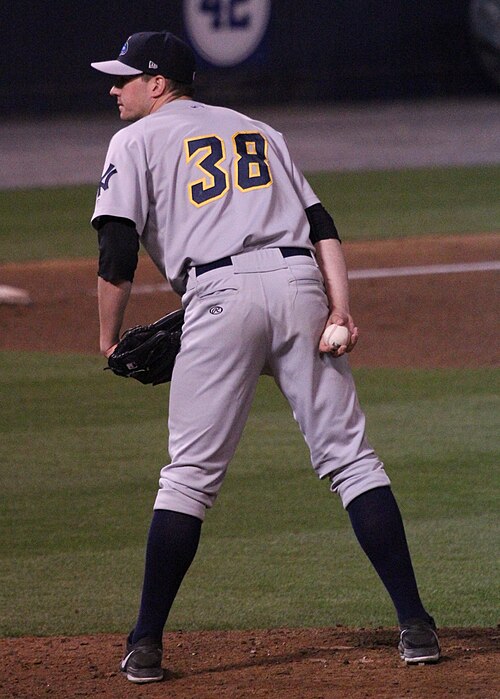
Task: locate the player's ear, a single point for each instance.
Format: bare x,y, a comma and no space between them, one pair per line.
159,85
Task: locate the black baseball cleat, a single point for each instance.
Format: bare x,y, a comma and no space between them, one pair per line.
142,661
418,642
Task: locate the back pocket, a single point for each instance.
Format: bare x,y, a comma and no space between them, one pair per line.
209,284
305,274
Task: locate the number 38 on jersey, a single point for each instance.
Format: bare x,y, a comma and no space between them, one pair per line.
208,154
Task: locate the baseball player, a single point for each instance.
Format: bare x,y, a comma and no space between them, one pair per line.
218,203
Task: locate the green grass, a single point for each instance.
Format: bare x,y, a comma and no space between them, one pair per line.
41,224
401,203
80,452
46,223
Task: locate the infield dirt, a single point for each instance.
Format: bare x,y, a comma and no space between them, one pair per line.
434,320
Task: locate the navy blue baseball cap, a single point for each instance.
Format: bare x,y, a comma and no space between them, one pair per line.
153,53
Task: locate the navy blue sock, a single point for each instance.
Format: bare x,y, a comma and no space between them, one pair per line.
377,523
172,542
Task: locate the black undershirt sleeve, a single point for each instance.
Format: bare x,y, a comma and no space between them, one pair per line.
322,225
118,248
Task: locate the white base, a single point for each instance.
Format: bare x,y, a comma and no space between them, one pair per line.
14,296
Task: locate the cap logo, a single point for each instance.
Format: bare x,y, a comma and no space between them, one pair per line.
124,48
153,65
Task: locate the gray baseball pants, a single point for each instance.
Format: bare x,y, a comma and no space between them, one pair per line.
263,314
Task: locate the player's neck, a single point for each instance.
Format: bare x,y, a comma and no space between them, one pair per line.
165,99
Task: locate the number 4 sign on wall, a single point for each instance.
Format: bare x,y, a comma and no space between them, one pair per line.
226,32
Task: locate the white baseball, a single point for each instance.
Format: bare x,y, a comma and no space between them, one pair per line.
336,335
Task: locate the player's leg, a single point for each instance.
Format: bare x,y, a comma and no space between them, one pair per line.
172,543
321,391
378,526
214,381
222,353
319,387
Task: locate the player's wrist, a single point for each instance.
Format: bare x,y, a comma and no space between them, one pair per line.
107,348
339,315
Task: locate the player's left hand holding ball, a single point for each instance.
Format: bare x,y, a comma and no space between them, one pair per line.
339,336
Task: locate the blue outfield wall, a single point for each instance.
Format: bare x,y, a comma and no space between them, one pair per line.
249,51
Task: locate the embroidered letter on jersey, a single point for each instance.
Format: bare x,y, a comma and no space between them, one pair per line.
104,183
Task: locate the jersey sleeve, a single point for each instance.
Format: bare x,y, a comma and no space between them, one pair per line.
301,186
304,190
123,188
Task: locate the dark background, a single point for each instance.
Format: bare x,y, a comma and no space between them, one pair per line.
314,50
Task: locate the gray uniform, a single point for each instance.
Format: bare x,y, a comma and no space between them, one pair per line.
198,182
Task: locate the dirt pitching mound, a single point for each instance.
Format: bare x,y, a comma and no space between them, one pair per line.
336,663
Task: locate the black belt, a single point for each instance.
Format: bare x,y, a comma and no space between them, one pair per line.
227,261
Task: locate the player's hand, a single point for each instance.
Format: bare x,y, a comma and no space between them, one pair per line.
110,350
340,319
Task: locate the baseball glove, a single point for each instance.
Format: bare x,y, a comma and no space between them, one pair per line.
147,352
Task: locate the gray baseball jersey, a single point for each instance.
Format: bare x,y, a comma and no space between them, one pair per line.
202,180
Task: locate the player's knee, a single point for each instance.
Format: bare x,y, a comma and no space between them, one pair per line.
357,478
182,499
